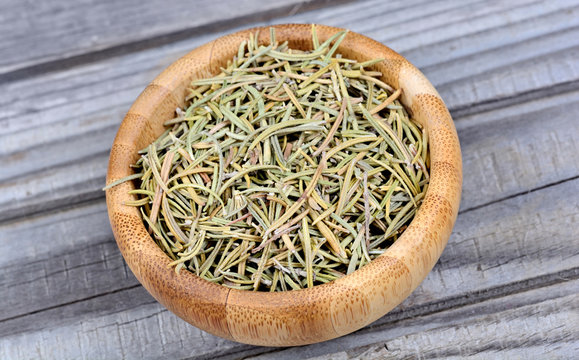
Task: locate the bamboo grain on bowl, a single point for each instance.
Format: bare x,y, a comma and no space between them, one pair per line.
302,316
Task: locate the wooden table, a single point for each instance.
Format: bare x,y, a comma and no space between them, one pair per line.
507,284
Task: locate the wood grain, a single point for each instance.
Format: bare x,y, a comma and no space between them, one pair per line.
529,323
38,36
536,82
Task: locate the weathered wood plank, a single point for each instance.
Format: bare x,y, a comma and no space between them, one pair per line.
120,71
538,323
53,234
437,33
81,272
540,318
526,21
518,148
36,33
536,78
55,187
57,33
83,107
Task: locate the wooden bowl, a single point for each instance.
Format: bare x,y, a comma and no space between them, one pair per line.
302,316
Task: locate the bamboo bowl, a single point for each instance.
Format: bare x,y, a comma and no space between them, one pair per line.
303,316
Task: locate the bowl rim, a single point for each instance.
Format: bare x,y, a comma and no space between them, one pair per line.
299,316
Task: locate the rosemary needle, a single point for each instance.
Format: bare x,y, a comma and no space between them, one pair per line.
287,170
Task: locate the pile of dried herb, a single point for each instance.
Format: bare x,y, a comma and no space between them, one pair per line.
287,170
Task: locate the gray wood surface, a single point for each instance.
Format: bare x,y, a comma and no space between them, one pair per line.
524,324
506,285
39,35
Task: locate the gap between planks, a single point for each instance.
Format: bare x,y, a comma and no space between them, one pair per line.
538,188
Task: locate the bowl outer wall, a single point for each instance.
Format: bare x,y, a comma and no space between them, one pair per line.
303,316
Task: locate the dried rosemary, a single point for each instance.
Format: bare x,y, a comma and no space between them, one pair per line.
287,170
